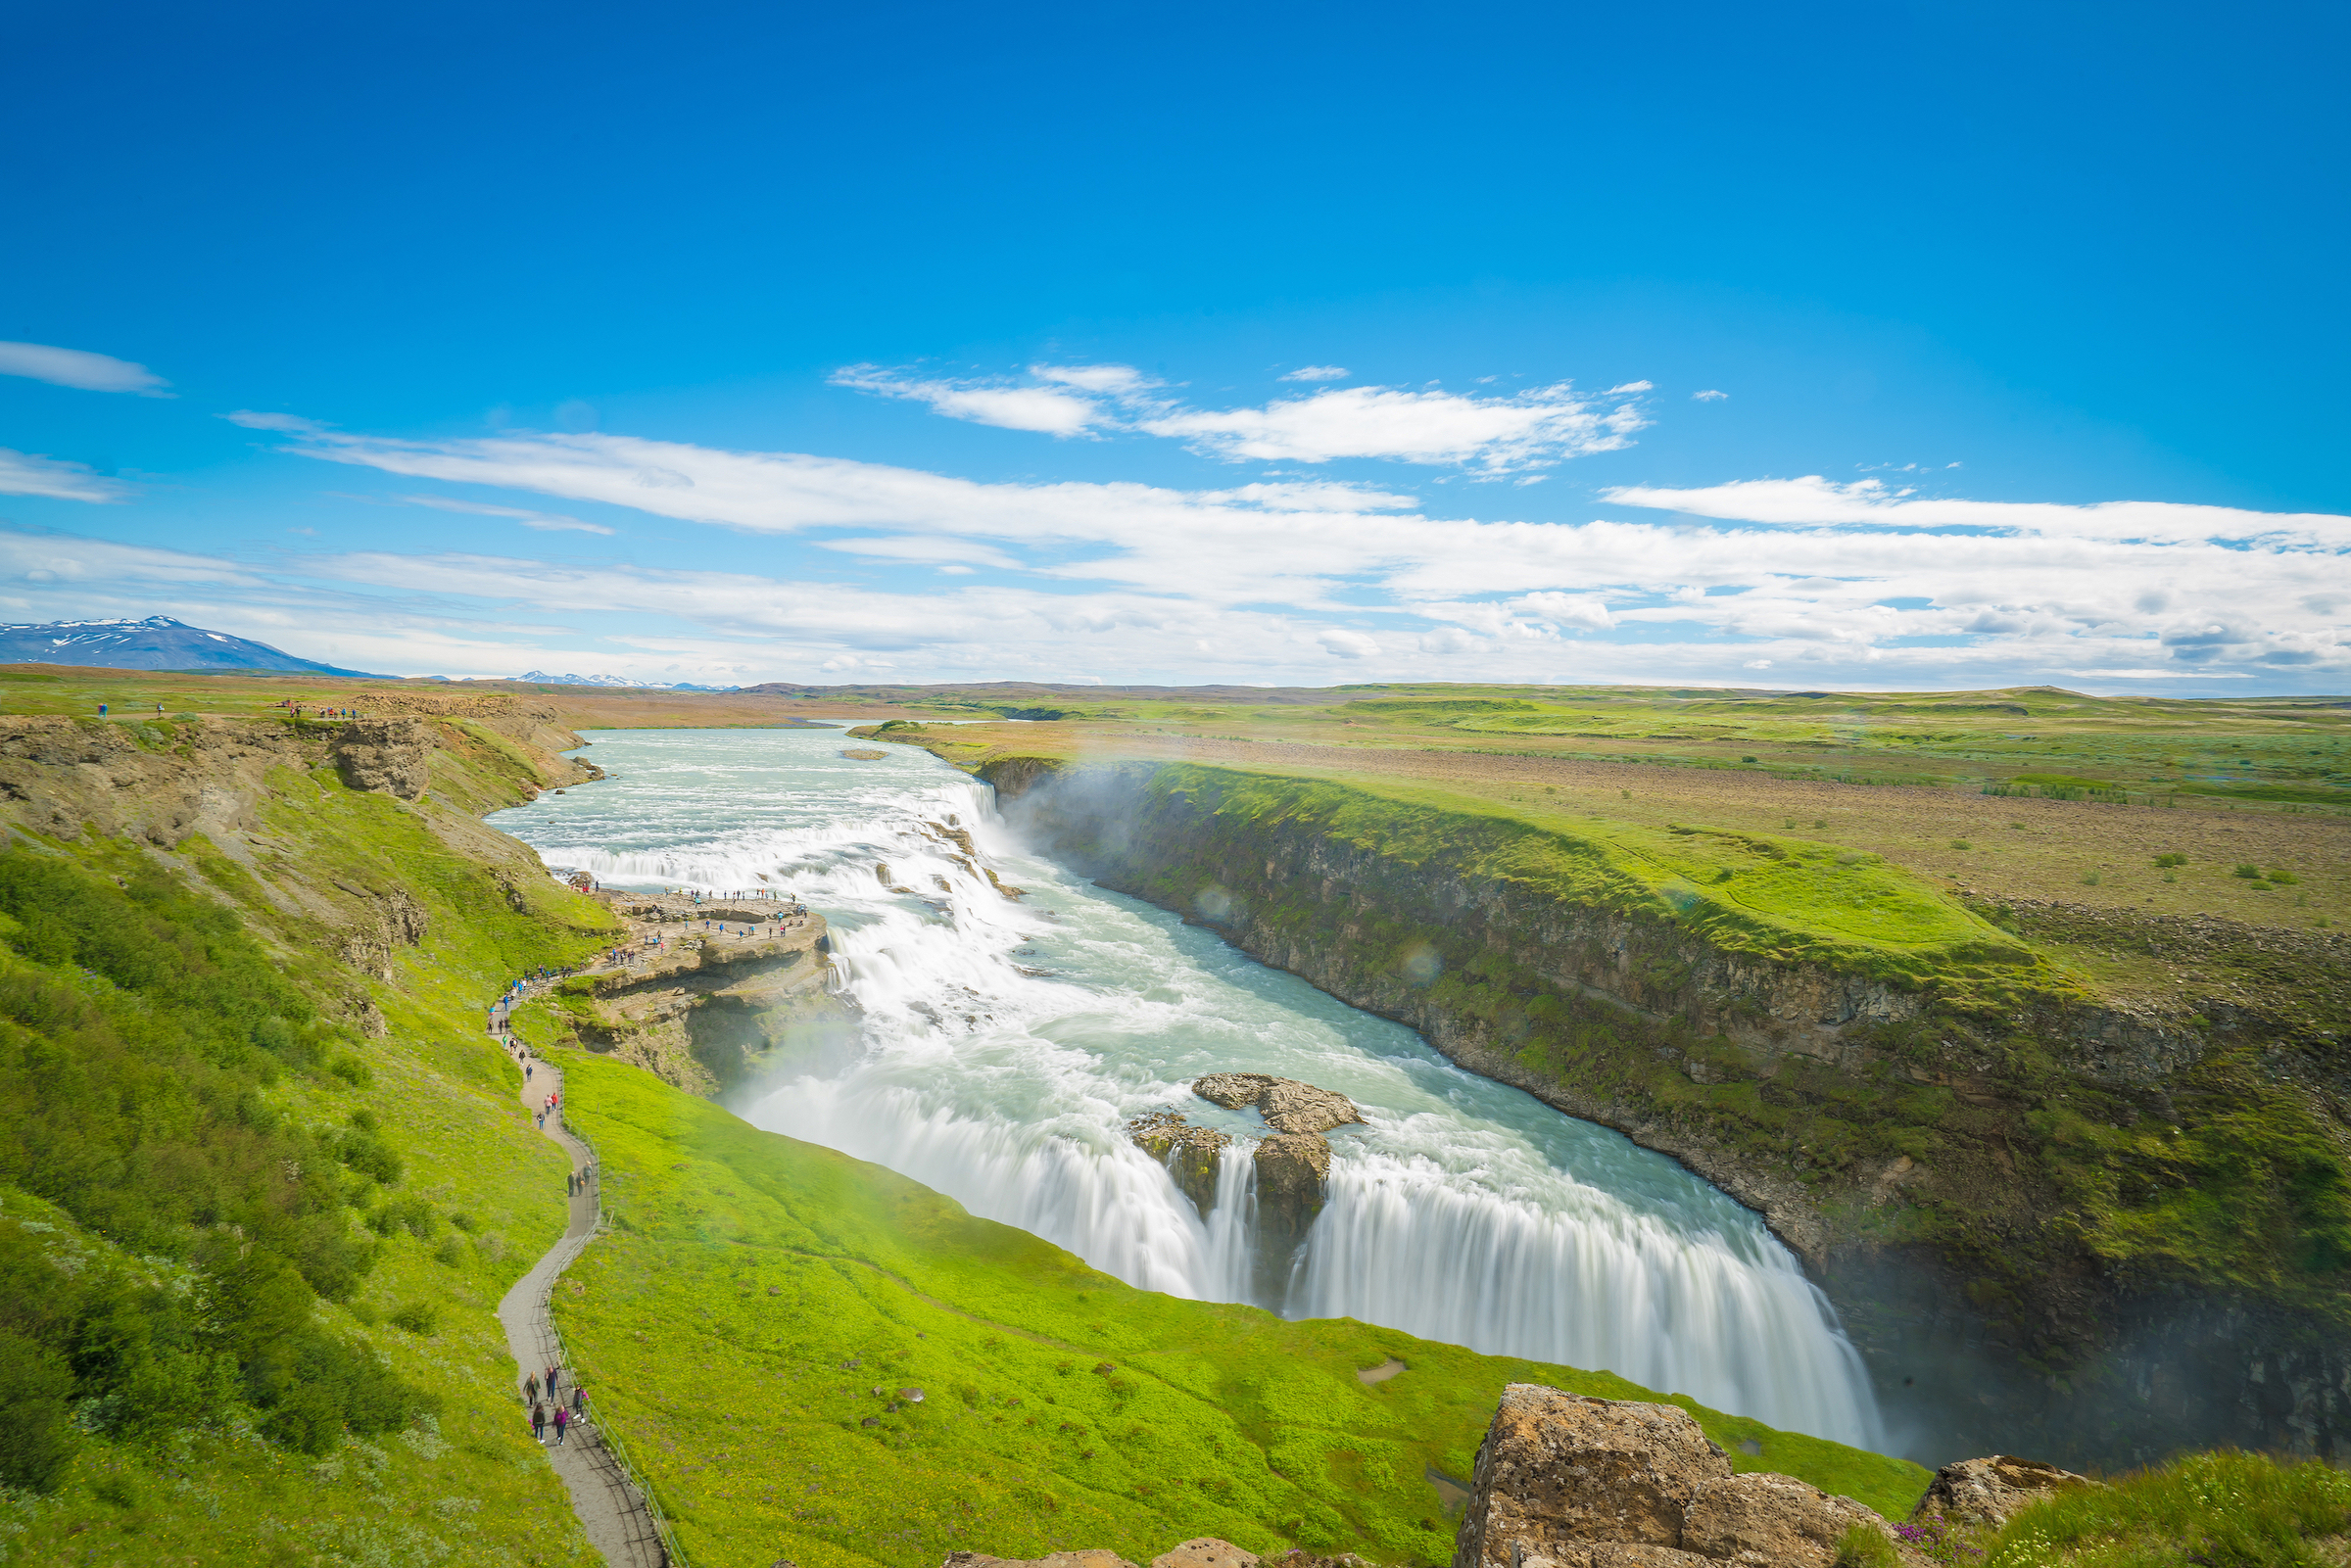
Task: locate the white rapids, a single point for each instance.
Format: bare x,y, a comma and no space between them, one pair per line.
1005,1044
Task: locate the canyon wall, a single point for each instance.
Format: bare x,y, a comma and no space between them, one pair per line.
1914,1151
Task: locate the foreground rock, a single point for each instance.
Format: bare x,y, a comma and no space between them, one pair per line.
1990,1492
1584,1482
1288,1106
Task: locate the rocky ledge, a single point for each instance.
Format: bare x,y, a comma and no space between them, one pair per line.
1287,1105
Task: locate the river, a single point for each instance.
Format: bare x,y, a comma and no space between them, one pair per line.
1006,1043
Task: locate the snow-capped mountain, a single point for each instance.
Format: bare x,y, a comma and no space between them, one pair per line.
158,643
545,679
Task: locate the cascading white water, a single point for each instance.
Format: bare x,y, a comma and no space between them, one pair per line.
1005,1044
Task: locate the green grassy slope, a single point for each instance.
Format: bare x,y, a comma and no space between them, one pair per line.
249,1246
1782,899
756,1292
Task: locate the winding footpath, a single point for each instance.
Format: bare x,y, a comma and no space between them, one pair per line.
615,1516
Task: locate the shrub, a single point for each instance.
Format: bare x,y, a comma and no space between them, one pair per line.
1961,843
421,1318
1866,1547
38,1441
2247,869
2171,859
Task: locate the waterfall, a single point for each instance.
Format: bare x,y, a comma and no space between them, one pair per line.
1006,1043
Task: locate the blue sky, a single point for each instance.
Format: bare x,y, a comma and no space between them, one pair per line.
1877,345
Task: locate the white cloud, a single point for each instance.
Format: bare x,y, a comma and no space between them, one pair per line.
545,522
1496,434
1323,373
1710,395
1814,502
1046,410
24,474
1151,582
77,367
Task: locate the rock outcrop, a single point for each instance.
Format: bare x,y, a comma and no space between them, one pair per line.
1987,1491
393,755
1190,1154
1288,1106
1580,1483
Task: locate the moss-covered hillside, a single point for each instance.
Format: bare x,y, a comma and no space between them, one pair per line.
264,1177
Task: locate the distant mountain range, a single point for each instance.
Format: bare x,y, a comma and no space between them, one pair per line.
158,643
545,679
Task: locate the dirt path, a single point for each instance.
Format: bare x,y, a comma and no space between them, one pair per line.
616,1519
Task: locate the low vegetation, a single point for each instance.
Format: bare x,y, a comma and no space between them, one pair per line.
260,1190
2239,1509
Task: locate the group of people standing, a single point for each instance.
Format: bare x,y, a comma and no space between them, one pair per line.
557,1411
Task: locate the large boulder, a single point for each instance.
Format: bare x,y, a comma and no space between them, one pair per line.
1287,1105
1770,1521
1989,1491
1293,1179
1565,1471
1568,1481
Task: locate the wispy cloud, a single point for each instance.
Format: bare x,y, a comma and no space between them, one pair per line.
79,368
1049,411
1816,502
24,474
545,522
1823,582
284,423
1492,434
1317,372
1710,395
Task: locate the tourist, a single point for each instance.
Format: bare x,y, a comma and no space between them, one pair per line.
562,1423
529,1388
538,1421
553,1374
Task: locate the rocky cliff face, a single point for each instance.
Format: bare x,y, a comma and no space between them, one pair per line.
712,1014
1946,1250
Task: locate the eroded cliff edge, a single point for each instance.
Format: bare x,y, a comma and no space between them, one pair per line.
1977,1160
